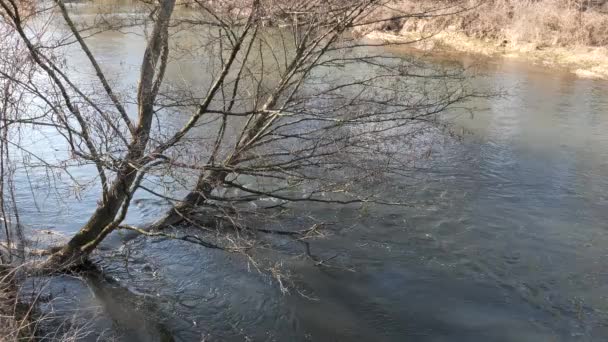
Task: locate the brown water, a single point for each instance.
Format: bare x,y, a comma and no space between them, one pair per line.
508,239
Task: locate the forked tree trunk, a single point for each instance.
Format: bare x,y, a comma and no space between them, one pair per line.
104,220
97,227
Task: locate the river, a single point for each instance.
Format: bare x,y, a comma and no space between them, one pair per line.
507,241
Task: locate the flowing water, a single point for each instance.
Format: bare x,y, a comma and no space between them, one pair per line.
508,240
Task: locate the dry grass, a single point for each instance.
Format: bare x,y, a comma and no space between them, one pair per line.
21,319
570,34
14,320
544,23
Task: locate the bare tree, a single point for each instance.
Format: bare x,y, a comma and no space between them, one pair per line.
286,115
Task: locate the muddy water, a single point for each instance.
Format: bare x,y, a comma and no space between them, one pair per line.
507,241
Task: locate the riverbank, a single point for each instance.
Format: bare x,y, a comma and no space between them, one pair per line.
13,319
16,314
586,62
553,33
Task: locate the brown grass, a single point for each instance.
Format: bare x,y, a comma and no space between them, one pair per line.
14,321
567,34
545,23
21,320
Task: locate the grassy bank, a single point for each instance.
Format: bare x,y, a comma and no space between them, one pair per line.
20,319
14,316
572,34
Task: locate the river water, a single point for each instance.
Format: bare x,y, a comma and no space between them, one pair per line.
508,240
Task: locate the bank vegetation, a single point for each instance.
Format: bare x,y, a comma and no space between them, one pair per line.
561,33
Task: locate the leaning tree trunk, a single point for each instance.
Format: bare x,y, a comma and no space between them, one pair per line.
104,220
211,180
206,183
98,226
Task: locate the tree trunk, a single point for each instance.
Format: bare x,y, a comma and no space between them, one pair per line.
207,181
97,228
104,220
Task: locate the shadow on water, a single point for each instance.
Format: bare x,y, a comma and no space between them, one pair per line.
93,308
195,294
